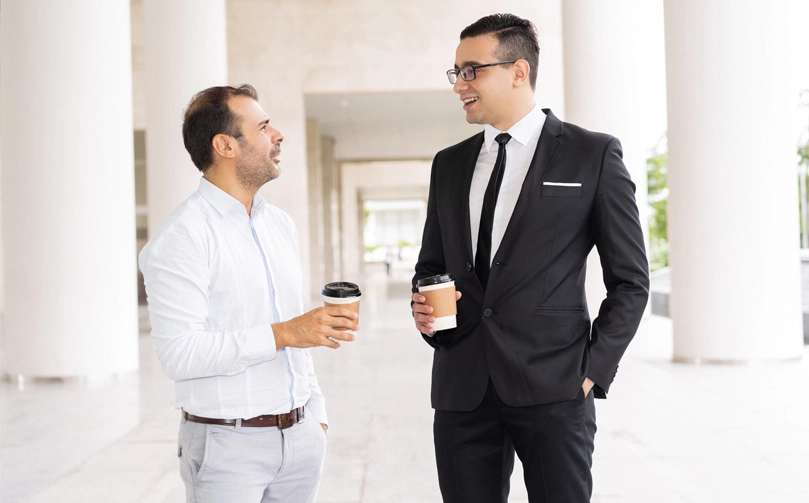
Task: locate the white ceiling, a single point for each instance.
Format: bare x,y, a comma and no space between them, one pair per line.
352,108
390,124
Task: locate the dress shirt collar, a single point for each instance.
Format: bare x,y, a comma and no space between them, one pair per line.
223,202
521,131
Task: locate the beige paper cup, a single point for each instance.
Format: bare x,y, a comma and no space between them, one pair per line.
342,294
439,291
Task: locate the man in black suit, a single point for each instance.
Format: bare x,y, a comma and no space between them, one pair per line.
520,370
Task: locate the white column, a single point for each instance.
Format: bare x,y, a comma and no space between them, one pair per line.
331,209
68,189
611,87
735,291
186,52
317,244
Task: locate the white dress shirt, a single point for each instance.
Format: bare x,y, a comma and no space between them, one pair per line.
519,152
216,280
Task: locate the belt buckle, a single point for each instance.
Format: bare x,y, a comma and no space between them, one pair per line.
282,425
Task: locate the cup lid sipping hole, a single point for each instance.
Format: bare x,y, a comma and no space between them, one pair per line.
435,280
341,289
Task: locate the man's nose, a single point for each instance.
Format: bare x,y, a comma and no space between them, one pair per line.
459,85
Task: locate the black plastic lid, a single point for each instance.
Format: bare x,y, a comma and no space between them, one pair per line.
341,289
435,280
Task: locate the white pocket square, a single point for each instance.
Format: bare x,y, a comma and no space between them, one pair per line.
562,184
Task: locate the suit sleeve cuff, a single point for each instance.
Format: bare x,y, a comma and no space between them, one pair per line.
602,379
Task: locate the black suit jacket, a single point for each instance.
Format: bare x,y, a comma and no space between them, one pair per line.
530,330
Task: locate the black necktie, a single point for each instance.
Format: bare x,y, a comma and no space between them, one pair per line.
483,256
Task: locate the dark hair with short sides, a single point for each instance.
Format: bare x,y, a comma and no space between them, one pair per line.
517,39
208,115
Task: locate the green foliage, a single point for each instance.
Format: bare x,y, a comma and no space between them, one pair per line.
803,146
803,179
658,205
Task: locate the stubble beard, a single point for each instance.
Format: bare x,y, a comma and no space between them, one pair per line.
254,176
253,171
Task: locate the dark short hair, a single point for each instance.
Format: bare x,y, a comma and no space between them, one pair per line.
517,39
208,115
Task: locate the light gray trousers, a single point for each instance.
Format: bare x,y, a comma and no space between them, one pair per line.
220,464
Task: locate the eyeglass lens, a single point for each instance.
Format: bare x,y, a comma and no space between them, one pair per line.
467,73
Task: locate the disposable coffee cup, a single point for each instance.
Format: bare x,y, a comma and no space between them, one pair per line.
439,290
342,294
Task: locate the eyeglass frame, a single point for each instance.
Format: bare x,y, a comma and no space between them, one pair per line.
453,74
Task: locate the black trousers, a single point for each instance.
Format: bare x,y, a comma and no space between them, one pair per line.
475,450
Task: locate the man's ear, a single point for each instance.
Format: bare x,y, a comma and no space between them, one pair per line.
224,146
522,72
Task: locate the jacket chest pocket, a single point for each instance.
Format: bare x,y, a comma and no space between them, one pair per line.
567,190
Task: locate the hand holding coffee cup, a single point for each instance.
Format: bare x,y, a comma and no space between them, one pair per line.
439,294
342,294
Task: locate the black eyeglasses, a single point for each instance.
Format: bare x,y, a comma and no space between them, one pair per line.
468,73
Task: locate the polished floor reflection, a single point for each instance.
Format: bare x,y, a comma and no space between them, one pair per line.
668,433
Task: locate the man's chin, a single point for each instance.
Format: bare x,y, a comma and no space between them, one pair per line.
273,174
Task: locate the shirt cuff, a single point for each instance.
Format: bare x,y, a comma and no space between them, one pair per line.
317,409
259,344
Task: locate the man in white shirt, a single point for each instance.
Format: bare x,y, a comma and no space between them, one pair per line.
223,279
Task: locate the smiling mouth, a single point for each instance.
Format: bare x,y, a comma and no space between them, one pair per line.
468,102
274,155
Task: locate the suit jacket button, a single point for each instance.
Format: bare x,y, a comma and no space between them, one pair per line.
487,312
468,267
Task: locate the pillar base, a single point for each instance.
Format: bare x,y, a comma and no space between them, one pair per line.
80,381
734,362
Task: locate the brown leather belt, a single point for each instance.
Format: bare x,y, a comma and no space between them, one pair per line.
282,421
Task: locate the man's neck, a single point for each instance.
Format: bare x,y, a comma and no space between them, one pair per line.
232,187
515,114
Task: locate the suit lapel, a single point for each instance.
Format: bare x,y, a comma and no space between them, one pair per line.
466,169
546,148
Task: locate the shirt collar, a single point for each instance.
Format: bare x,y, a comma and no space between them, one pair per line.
223,202
522,131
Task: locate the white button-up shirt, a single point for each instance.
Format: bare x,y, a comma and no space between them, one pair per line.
519,152
216,279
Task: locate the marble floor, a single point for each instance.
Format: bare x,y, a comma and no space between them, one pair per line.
668,433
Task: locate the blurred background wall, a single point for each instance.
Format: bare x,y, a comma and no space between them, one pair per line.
704,96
